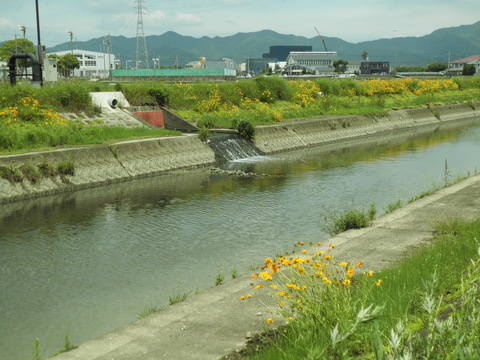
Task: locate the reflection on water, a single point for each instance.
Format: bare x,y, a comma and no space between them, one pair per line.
90,261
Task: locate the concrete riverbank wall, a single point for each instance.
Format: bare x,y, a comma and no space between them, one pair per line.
123,161
321,131
100,165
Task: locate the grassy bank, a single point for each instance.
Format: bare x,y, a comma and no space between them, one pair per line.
27,125
427,307
29,117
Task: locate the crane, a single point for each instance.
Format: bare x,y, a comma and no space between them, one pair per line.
321,37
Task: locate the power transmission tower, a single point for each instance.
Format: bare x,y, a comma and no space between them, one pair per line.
141,56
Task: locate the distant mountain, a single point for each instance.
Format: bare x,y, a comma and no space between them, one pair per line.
440,46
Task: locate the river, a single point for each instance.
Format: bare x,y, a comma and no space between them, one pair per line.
87,262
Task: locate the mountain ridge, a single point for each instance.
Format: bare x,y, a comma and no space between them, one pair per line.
441,45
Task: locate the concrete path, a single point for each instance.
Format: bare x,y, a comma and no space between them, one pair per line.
215,323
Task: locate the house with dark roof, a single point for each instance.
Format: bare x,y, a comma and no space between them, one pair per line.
456,67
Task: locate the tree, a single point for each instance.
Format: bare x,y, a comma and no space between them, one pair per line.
12,47
340,66
67,63
437,66
364,55
16,46
468,69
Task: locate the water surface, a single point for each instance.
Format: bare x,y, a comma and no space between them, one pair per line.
88,262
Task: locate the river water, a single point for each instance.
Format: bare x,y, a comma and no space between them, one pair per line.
88,262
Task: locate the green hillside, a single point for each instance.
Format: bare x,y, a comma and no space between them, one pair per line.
439,46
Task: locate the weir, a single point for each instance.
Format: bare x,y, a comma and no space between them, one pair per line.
233,147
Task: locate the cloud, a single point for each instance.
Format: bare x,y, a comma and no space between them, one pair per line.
186,19
155,16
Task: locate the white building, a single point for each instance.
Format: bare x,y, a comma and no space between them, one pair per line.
92,64
311,62
456,67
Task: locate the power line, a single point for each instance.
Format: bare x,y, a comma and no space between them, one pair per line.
141,56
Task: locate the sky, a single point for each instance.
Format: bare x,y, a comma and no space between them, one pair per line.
351,20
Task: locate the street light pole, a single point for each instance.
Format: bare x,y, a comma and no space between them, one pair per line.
71,39
23,29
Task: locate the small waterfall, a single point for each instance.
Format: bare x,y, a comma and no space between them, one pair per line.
233,148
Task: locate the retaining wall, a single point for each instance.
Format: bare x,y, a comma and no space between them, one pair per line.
101,165
95,166
318,131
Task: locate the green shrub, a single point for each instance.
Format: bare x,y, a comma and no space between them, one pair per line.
246,129
30,173
66,168
350,86
160,95
47,170
204,134
273,88
11,174
328,87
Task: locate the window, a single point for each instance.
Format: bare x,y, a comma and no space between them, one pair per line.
90,63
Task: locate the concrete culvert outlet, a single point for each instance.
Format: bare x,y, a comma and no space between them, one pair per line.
113,103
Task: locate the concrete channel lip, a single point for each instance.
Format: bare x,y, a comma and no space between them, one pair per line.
215,323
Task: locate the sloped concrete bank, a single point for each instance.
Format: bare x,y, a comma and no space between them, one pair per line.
102,165
320,131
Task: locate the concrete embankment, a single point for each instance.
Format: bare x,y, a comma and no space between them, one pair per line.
320,131
101,165
96,166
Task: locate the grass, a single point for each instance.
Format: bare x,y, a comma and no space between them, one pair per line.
177,298
393,206
30,117
148,311
417,309
338,222
220,279
37,138
38,172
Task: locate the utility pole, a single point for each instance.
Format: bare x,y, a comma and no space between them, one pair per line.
142,53
41,48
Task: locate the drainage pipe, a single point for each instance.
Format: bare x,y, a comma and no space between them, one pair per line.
36,67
